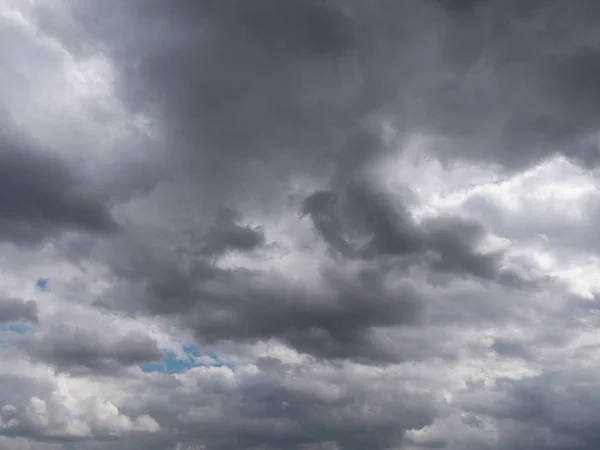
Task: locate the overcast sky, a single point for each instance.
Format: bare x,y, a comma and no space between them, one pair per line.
299,224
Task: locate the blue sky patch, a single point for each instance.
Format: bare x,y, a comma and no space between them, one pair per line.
42,284
173,363
19,328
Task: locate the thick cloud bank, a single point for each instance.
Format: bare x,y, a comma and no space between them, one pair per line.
299,224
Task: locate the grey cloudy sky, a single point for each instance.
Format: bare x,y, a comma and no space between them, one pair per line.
299,224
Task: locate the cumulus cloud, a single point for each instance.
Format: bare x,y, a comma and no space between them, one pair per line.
378,217
61,416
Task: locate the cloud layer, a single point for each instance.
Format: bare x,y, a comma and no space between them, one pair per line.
299,225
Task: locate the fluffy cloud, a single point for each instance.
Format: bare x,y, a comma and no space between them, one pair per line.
299,225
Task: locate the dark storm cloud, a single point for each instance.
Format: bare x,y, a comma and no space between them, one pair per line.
235,84
253,93
41,196
228,235
15,309
389,230
332,319
78,351
455,242
526,89
362,211
321,206
331,322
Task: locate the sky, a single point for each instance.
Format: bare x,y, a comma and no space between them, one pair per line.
299,225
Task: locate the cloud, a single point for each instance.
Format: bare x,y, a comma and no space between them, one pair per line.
331,317
15,310
293,414
388,230
41,196
551,410
56,414
77,351
243,95
382,215
226,235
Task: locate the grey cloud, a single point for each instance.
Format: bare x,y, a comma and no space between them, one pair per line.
445,243
293,407
14,388
461,6
529,68
269,363
239,109
15,309
79,352
321,206
243,118
103,150
376,287
455,241
568,233
498,82
39,412
41,196
249,100
554,410
361,212
26,444
331,319
239,102
226,234
511,348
